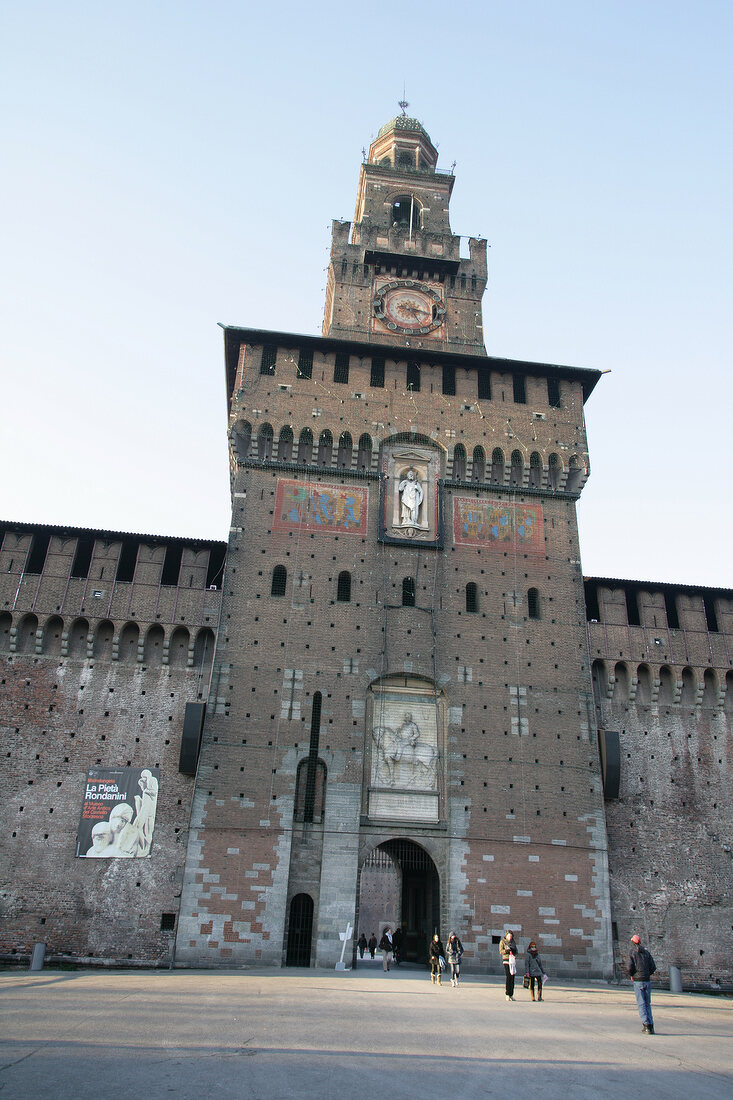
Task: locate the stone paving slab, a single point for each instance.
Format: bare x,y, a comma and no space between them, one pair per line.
363,1034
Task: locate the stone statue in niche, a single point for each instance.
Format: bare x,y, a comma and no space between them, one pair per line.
402,746
411,497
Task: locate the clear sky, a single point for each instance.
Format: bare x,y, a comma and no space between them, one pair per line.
170,165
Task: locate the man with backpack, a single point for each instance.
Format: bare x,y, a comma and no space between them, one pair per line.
641,967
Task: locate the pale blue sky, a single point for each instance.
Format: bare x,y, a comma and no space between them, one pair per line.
171,165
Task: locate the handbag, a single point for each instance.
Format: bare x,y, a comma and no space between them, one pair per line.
512,964
441,962
526,981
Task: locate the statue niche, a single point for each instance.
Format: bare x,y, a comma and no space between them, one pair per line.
411,473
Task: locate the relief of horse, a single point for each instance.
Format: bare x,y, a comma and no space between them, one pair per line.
392,749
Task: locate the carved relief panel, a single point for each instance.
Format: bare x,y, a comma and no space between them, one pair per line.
405,733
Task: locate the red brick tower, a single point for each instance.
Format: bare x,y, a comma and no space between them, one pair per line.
401,678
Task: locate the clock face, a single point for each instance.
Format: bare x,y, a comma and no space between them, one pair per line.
408,306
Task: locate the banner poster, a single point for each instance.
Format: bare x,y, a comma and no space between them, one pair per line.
328,509
503,525
118,813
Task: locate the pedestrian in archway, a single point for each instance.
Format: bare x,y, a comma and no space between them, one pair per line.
437,959
361,943
453,951
397,944
387,948
508,952
372,944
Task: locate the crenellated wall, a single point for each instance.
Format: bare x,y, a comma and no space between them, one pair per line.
96,673
668,693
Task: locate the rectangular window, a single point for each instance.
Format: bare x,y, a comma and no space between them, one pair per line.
520,392
376,378
711,617
413,377
269,356
632,607
341,367
82,557
37,554
670,606
449,381
484,385
127,562
215,569
171,565
553,393
305,363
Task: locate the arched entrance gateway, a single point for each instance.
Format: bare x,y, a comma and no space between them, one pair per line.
399,886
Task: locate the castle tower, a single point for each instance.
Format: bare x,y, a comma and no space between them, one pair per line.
400,723
396,276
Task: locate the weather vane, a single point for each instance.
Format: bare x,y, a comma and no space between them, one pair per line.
403,102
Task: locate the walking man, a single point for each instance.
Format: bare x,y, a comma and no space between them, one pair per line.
641,968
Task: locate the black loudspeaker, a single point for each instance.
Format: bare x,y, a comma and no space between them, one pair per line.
193,727
609,746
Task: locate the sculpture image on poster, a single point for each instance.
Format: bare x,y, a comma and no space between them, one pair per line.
118,813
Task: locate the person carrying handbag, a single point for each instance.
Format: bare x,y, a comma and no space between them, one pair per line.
437,958
454,950
508,952
535,970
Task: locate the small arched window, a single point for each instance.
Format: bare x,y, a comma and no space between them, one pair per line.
535,470
497,466
129,641
710,692
325,448
285,444
52,632
554,471
666,685
153,650
643,684
533,603
279,581
241,438
264,443
459,462
517,471
27,634
346,447
479,464
343,588
305,446
689,688
408,592
364,455
575,471
471,597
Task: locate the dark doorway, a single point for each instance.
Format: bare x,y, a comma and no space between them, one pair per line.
300,931
400,885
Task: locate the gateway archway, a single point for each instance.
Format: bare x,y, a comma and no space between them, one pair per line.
400,886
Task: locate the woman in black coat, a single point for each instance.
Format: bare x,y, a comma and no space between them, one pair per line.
437,952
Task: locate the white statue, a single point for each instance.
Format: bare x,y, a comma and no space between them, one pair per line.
411,493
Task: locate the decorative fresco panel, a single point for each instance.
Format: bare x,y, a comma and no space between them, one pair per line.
503,524
330,509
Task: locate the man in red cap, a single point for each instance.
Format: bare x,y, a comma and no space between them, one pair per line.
641,968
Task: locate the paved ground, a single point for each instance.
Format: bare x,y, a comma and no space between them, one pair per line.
361,1034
